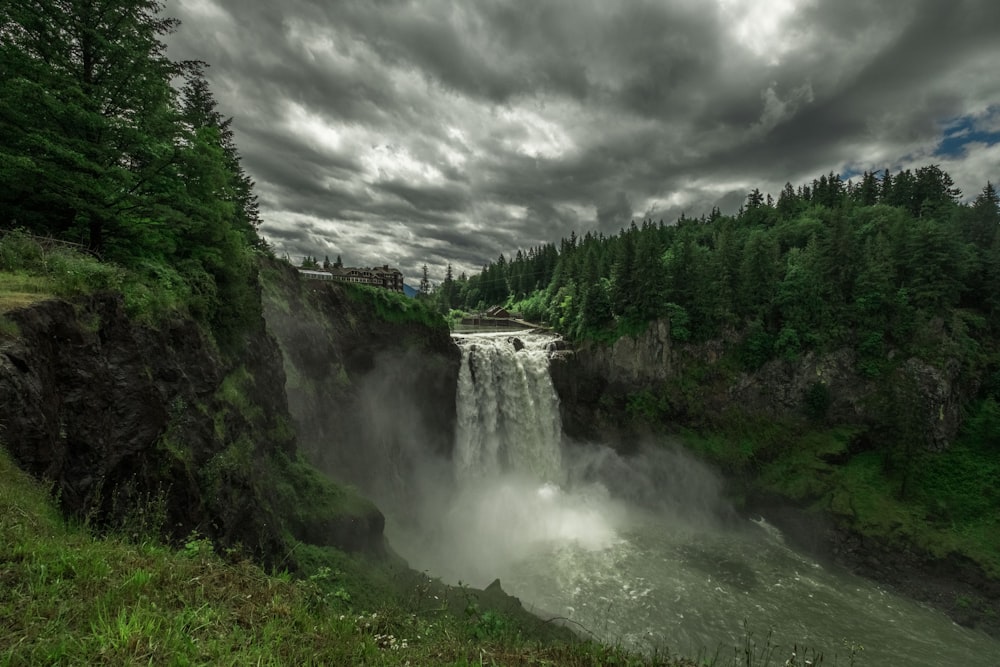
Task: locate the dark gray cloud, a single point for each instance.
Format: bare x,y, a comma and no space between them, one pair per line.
430,131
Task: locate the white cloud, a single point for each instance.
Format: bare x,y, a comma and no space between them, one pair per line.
761,27
421,132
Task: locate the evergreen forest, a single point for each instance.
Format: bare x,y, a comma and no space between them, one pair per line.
107,143
873,264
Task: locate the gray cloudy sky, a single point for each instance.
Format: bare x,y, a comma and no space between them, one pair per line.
432,132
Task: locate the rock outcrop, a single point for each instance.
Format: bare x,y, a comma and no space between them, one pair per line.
596,381
371,395
146,428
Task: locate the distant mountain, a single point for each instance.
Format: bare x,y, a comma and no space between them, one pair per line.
410,291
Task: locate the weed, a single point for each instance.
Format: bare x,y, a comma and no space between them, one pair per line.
9,328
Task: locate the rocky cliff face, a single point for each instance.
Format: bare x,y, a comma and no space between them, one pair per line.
597,380
689,384
148,429
370,396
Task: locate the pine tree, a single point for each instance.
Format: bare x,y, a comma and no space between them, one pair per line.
447,298
425,284
88,123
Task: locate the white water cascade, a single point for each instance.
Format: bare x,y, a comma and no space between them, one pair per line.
633,549
508,411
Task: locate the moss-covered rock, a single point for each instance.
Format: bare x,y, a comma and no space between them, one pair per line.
148,428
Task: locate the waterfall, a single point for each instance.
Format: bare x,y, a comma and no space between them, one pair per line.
630,549
508,411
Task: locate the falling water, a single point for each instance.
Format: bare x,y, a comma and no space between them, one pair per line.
508,411
632,549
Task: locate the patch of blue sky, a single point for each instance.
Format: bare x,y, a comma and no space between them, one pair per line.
983,128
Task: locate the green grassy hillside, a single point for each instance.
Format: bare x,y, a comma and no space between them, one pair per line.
69,598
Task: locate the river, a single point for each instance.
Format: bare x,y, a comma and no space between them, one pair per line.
641,551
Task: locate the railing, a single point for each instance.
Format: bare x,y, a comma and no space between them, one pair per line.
492,325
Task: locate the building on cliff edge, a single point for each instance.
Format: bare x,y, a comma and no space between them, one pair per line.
383,276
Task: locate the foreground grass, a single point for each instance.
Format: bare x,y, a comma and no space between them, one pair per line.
67,597
18,290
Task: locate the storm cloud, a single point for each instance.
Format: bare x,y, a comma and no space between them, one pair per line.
425,131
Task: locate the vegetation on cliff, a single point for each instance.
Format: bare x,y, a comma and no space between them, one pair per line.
870,265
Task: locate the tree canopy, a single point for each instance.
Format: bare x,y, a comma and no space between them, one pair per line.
99,147
868,264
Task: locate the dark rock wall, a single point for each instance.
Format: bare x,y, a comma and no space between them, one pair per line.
88,399
596,381
370,399
149,429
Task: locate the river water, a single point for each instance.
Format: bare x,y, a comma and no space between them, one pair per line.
641,552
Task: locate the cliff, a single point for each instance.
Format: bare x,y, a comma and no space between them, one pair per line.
828,453
149,430
693,384
371,379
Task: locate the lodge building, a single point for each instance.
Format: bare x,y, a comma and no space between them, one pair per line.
383,276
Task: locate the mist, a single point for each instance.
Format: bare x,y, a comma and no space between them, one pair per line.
478,530
471,511
478,483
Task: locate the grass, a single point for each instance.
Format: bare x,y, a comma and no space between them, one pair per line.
67,597
20,289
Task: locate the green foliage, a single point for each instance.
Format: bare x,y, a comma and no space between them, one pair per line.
233,390
680,322
952,503
395,307
647,406
982,429
871,353
98,149
301,492
817,401
20,252
788,344
454,317
757,346
959,485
